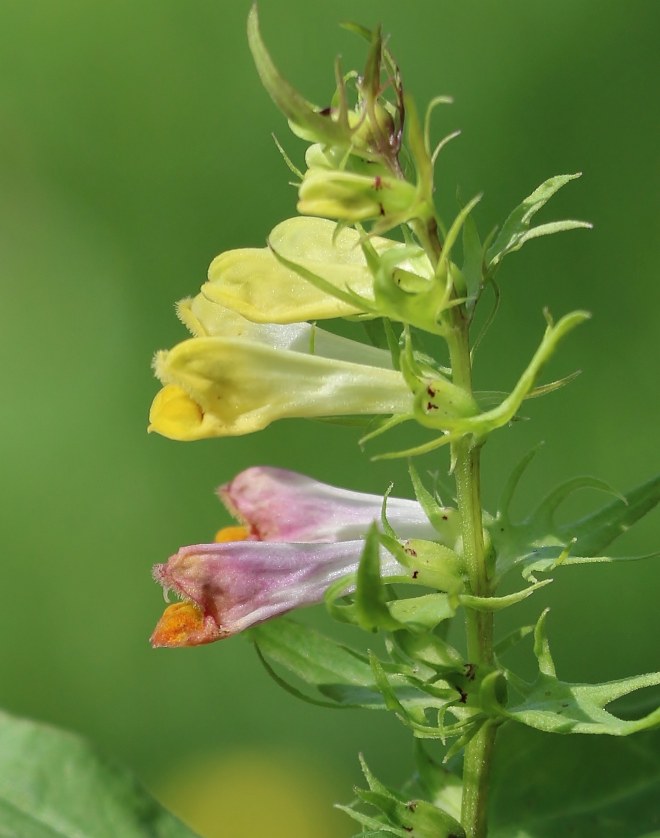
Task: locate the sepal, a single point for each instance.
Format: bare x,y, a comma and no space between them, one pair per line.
395,814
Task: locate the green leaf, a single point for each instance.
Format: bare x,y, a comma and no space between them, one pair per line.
442,787
370,606
421,613
310,655
53,784
539,544
544,786
429,649
473,260
516,229
295,107
497,603
339,673
595,532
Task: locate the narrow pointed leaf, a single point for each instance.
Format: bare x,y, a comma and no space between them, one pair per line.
595,532
294,106
516,229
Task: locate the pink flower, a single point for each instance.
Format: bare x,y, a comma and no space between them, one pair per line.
299,537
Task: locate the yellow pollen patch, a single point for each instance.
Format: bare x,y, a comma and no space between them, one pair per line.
180,622
231,534
174,414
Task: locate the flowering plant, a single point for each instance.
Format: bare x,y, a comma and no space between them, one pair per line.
406,569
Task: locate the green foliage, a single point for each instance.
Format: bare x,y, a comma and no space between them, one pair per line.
555,706
516,229
545,786
54,785
398,815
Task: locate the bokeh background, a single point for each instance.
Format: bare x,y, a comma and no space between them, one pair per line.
135,146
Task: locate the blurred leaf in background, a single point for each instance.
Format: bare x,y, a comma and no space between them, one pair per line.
134,147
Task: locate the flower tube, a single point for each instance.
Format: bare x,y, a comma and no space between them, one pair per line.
229,587
229,387
280,505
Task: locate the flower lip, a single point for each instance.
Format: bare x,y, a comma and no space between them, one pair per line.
170,583
184,624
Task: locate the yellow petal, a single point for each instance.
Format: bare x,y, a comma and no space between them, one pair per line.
253,283
174,414
229,387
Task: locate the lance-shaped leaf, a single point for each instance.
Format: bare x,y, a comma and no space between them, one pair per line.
516,230
556,706
267,289
595,532
339,673
229,387
538,543
303,116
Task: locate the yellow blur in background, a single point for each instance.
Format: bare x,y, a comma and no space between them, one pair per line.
254,793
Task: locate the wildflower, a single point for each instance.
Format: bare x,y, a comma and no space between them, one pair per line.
255,283
298,537
229,387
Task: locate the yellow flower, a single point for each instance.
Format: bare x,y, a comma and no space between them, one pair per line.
254,283
228,386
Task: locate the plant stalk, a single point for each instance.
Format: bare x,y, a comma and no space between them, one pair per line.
478,624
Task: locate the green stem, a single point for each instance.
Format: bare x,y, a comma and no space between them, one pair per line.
478,624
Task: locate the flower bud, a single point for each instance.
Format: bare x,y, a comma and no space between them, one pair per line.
353,197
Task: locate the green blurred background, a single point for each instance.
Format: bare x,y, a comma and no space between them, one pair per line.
135,146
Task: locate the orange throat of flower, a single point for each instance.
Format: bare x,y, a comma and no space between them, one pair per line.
184,624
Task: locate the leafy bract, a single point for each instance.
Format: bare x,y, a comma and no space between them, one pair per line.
302,115
539,543
54,785
556,706
399,815
516,230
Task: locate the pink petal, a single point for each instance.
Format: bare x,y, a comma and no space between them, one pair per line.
237,584
281,505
